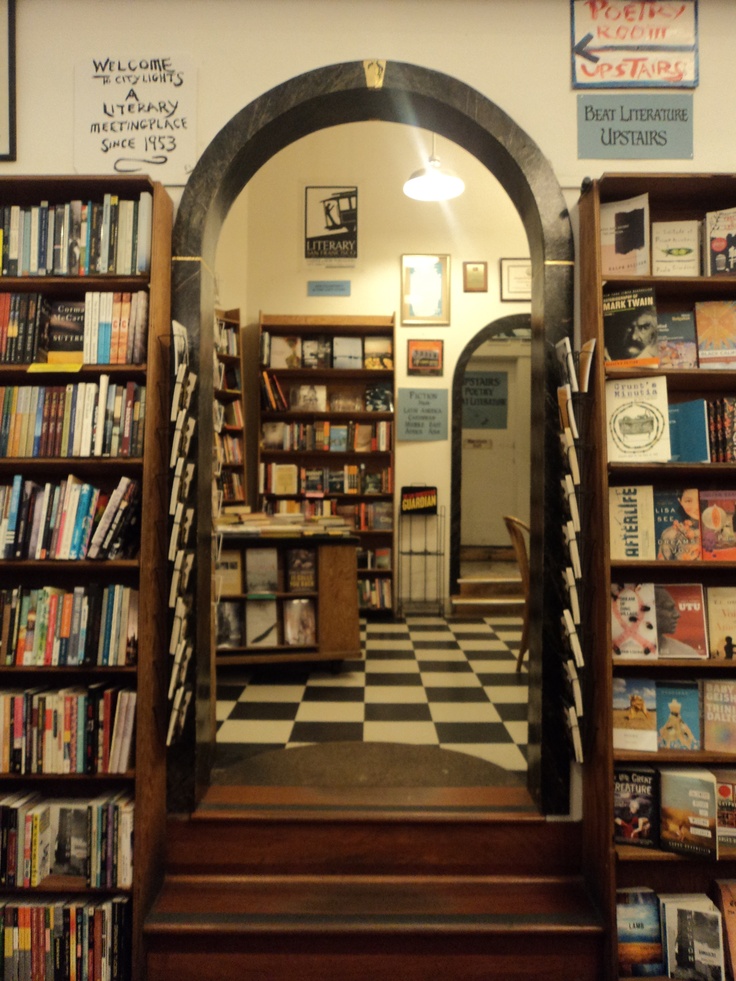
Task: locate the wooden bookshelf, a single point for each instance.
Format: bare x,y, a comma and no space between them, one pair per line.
229,410
142,568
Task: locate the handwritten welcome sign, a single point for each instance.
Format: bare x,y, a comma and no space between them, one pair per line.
634,43
136,115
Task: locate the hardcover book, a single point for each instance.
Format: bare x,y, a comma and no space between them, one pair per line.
630,331
678,715
681,630
301,571
677,524
300,624
637,420
688,812
677,340
631,522
715,322
717,512
676,248
719,715
625,237
261,623
636,806
261,570
635,714
638,931
721,621
633,620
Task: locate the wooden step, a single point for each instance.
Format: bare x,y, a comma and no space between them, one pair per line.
360,928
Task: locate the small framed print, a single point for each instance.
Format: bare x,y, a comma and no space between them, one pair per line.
425,289
475,277
516,279
425,357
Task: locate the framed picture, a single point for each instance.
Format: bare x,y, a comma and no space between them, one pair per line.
7,79
331,222
475,277
516,279
425,289
425,357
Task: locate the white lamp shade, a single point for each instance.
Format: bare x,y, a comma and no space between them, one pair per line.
432,183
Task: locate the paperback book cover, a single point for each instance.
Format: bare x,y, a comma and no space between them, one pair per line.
308,398
681,629
677,524
286,352
633,621
636,806
261,570
379,397
638,930
301,570
637,420
347,352
625,237
678,715
677,340
721,602
726,813
693,943
719,715
631,522
719,243
63,342
688,812
378,352
317,352
717,511
300,624
229,572
635,714
676,248
261,623
229,624
630,332
689,432
715,321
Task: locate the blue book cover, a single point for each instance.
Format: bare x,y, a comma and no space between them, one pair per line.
639,936
80,521
689,437
39,421
677,340
15,495
677,524
678,715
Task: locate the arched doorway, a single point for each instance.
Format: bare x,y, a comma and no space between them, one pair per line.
394,92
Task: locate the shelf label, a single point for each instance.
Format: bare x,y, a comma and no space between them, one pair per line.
635,127
422,414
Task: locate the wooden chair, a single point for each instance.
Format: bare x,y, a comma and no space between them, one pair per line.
516,529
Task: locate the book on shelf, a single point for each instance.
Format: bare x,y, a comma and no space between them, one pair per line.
624,237
721,602
633,621
681,623
688,812
300,623
284,478
301,571
261,623
677,339
286,352
676,247
378,352
63,342
639,938
715,322
229,571
691,936
636,806
261,570
719,715
689,431
630,332
631,522
717,512
724,895
719,242
725,811
637,420
229,627
634,714
678,715
677,524
347,352
317,352
379,397
308,398
338,438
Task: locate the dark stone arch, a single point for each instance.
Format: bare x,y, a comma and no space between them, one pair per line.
437,102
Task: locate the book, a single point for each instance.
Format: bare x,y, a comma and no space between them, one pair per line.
63,342
637,420
631,522
347,352
634,714
639,939
229,571
630,331
715,323
261,623
677,524
717,512
687,818
725,811
286,352
378,352
261,570
678,715
379,397
691,937
676,247
636,806
300,624
677,339
284,478
689,432
317,352
229,625
725,898
719,242
301,571
633,621
338,438
308,398
719,715
721,601
624,236
681,626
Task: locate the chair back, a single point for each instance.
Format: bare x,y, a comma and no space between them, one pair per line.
518,530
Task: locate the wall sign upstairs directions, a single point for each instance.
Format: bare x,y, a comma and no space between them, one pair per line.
635,127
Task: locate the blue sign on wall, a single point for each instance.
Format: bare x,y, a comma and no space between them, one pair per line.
635,127
422,414
328,287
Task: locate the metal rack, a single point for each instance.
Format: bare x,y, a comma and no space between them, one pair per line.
422,563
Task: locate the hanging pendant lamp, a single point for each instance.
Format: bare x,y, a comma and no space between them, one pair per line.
434,182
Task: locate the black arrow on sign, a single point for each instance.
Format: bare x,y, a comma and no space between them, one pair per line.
581,49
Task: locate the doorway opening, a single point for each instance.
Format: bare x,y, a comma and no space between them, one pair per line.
417,96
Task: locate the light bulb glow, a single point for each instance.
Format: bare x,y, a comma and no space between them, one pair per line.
432,183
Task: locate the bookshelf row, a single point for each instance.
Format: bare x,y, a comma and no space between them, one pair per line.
375,594
337,396
73,519
78,237
325,436
73,730
376,516
80,419
351,478
326,351
268,623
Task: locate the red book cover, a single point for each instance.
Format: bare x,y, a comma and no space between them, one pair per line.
681,629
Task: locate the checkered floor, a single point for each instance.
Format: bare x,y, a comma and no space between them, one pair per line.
424,681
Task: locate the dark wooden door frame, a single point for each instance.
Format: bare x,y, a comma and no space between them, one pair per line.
416,96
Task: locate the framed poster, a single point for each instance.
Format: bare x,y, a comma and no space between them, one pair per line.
331,222
475,277
425,289
7,79
425,357
516,279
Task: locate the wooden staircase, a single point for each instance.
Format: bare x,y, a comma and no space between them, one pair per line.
267,884
489,586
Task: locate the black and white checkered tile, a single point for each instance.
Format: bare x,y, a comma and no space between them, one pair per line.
424,681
